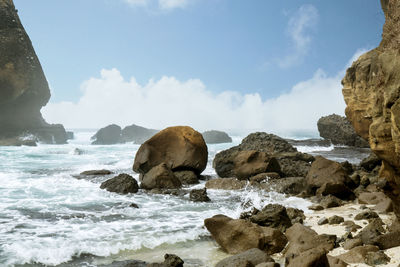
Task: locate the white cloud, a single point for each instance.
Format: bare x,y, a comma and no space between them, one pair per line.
160,4
160,103
137,2
171,4
299,29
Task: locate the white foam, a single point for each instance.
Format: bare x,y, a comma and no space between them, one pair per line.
309,149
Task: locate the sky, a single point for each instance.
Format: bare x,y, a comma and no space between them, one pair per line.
241,65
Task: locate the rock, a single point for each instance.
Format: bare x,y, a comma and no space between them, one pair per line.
374,258
180,148
199,195
24,88
236,236
328,177
127,263
335,219
371,198
17,142
268,143
122,184
295,215
187,177
265,177
294,164
323,221
268,264
339,131
136,134
160,177
351,226
369,234
352,243
96,172
370,162
335,262
216,137
315,207
170,260
108,135
388,240
330,202
250,163
225,184
289,185
309,258
384,206
254,256
357,254
70,135
272,215
370,90
366,215
134,205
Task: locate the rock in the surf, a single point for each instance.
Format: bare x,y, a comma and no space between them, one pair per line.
122,184
160,177
108,135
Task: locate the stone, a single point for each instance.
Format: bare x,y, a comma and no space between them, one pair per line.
160,177
322,221
136,134
272,215
369,234
122,184
187,177
249,163
199,195
315,207
265,177
357,254
179,147
268,264
236,236
335,262
134,205
216,137
102,172
327,177
352,243
366,215
225,184
339,131
351,226
371,198
288,185
374,258
388,240
369,163
295,215
330,202
70,135
335,219
309,258
170,260
254,256
108,135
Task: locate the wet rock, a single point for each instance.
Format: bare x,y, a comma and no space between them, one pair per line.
308,258
352,243
160,177
370,162
170,260
108,135
289,185
96,173
216,137
226,184
180,148
295,215
236,236
357,254
327,177
136,134
272,215
323,221
374,258
122,184
253,256
265,177
70,135
335,219
315,207
199,195
330,202
366,215
187,177
134,205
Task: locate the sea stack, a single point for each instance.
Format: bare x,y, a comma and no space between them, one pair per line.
23,86
371,89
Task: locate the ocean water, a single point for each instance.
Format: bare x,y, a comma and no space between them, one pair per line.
48,217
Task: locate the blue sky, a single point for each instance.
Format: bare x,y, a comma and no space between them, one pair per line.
257,47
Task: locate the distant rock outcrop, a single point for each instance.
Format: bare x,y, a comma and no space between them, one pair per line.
339,131
371,90
23,87
216,137
108,135
113,134
137,134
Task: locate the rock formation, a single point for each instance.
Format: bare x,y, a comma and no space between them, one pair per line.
23,87
371,89
216,137
109,135
137,134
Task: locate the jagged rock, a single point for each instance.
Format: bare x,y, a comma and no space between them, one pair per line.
179,147
216,137
370,90
272,215
330,201
369,234
187,177
122,184
199,195
136,134
249,163
160,177
24,88
357,254
254,256
327,177
366,215
309,258
264,177
370,162
295,215
351,226
352,243
108,135
170,260
335,219
374,258
339,131
289,185
388,240
323,221
236,236
226,184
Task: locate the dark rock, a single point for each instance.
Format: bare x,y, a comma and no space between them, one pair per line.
170,260
225,184
388,240
357,254
268,264
330,202
348,167
309,258
108,135
335,219
17,142
315,207
236,236
265,177
295,215
289,185
199,195
352,243
96,172
122,184
351,226
335,262
133,205
24,88
374,258
371,198
323,221
265,142
370,162
366,215
272,215
180,148
369,234
70,135
136,134
344,237
160,177
216,137
163,191
339,131
294,164
254,256
187,177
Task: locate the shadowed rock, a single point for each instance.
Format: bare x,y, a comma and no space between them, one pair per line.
216,137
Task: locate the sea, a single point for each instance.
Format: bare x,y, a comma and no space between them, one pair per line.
50,218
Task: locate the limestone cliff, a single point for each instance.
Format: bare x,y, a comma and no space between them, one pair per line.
371,89
23,86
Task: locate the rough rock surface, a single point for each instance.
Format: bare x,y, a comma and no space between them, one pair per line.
226,184
179,147
170,260
272,215
216,137
160,177
339,131
371,92
108,135
199,195
23,87
136,134
254,256
236,236
122,184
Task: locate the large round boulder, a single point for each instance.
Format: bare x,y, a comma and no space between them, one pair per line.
179,147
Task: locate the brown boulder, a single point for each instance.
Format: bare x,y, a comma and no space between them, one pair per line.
272,215
251,162
160,177
335,262
122,184
253,256
310,258
226,184
187,177
357,254
388,240
179,147
236,236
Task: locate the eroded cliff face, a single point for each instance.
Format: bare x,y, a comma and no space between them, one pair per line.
23,86
371,89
